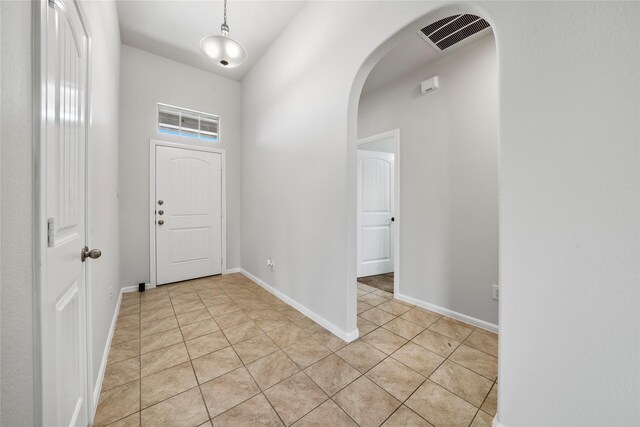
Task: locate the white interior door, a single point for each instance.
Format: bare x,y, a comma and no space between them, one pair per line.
64,347
188,214
375,212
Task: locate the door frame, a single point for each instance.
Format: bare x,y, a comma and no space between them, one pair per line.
40,237
394,134
153,143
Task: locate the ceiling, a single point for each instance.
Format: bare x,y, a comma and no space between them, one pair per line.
174,28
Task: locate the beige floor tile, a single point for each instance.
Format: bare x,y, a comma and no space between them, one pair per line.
463,382
271,324
149,316
419,359
327,414
183,298
206,344
332,374
233,318
454,330
329,340
272,369
188,306
126,350
366,402
126,334
483,342
287,335
395,378
127,321
241,332
363,306
131,309
440,407
167,383
476,360
482,419
269,314
377,316
394,307
118,403
421,317
306,352
255,348
362,292
295,397
365,326
361,355
215,364
372,299
404,328
366,287
193,316
384,294
385,341
223,308
121,373
405,417
435,342
160,340
155,304
130,421
184,410
490,405
229,390
160,325
197,329
164,358
256,411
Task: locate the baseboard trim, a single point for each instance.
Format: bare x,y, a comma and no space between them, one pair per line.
339,332
497,423
445,311
105,357
232,270
128,289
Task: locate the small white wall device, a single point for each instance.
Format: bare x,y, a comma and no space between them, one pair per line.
429,85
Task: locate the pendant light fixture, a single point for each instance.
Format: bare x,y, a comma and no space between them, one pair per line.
222,49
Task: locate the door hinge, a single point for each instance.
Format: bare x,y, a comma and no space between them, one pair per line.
51,230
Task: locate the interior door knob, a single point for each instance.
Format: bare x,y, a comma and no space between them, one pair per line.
392,219
160,202
160,212
93,253
160,222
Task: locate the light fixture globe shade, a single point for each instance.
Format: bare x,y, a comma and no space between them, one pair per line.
223,50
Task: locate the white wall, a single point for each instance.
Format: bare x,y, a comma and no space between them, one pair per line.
147,79
17,286
104,281
569,188
448,177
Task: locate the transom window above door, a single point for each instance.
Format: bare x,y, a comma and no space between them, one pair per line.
190,123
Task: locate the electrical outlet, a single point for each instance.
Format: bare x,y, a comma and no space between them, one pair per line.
495,292
270,264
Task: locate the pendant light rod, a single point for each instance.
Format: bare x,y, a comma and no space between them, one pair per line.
224,27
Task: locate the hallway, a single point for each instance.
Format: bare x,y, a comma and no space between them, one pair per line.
223,349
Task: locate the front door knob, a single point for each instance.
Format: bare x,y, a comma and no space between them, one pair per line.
161,222
160,212
93,253
160,202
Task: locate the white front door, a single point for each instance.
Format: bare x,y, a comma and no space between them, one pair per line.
188,214
375,213
64,347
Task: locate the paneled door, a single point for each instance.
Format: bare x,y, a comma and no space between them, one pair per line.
188,214
375,213
63,301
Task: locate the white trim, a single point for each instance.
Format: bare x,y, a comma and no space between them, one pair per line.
105,357
340,333
128,289
395,135
496,423
450,313
196,146
232,270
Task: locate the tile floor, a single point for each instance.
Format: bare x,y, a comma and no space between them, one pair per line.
222,351
382,282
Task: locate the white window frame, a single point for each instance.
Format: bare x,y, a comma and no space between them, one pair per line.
178,128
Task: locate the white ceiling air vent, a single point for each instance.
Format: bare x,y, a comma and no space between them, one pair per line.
452,30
